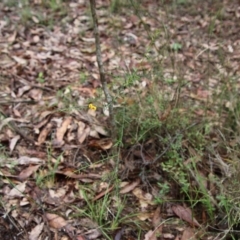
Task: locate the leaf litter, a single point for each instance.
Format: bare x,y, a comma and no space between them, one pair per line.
55,134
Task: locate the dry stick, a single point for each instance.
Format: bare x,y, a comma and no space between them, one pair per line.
108,97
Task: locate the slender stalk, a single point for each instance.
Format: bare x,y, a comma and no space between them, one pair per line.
108,97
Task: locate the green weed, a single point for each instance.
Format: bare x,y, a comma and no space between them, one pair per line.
40,78
54,5
106,212
47,178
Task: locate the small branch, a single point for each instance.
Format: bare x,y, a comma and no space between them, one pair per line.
108,97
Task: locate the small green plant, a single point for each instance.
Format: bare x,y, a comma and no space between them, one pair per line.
47,178
66,100
41,78
54,5
26,15
82,77
11,3
106,212
176,46
164,190
182,2
117,5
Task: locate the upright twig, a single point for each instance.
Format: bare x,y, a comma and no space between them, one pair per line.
108,97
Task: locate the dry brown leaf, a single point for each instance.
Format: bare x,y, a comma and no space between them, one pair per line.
24,202
89,92
82,132
36,231
93,133
130,187
119,234
6,61
80,237
5,122
70,173
58,141
35,94
81,127
143,216
103,144
20,60
24,160
150,235
55,221
93,234
168,235
13,142
12,37
17,113
156,217
22,90
42,116
92,112
17,191
100,130
188,234
156,220
185,214
144,198
100,195
59,193
27,172
40,125
44,133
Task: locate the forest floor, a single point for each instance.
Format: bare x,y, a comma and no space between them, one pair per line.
171,169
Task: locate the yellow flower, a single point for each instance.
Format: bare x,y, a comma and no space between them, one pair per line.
92,107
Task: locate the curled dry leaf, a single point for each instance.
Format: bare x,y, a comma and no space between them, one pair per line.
150,235
100,130
92,112
6,61
27,172
22,90
36,231
90,92
188,234
143,216
40,125
59,193
58,141
19,60
44,133
17,191
82,132
130,187
119,234
156,217
100,195
24,160
93,234
168,236
144,198
55,221
185,214
5,122
103,144
35,94
13,142
80,237
156,220
93,133
42,116
70,173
